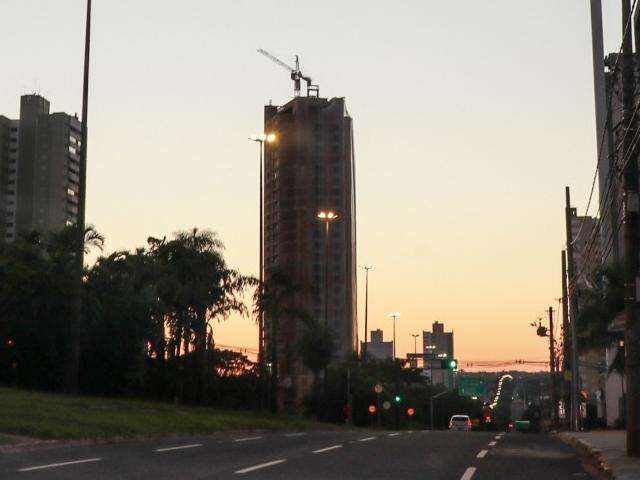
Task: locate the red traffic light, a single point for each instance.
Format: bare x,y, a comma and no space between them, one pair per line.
372,409
411,412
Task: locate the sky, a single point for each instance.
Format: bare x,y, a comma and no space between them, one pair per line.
470,117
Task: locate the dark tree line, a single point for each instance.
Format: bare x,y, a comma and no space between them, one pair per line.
148,318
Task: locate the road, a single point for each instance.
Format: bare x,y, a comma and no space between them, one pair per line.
361,454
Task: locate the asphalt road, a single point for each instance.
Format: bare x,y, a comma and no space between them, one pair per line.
308,456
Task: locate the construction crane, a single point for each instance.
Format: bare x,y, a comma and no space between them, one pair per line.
296,75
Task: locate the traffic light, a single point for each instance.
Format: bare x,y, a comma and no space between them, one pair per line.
398,399
449,364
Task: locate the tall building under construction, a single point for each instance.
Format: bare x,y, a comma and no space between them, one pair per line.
310,169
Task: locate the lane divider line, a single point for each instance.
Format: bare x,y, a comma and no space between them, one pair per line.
394,434
247,439
62,464
498,437
492,444
482,453
322,450
468,473
299,434
258,467
366,439
180,447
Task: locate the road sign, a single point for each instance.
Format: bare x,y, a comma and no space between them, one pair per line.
386,405
471,387
410,412
377,388
372,409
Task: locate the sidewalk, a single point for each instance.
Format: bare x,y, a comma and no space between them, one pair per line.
608,447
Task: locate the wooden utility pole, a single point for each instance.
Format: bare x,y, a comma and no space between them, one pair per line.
573,315
73,365
552,371
631,250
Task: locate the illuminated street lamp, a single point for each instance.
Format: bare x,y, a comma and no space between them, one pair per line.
328,217
394,315
261,139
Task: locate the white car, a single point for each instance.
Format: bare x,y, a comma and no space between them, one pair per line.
460,422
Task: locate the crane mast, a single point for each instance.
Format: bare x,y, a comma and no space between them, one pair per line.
295,74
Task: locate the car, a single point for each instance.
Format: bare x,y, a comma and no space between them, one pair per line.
460,422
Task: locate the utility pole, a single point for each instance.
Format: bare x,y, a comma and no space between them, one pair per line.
395,316
630,184
565,334
552,371
73,366
573,314
366,310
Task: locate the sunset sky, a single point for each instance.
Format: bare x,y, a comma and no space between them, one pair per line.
470,117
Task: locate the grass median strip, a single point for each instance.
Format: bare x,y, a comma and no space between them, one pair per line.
258,467
69,417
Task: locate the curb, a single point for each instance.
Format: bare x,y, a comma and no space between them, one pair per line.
588,449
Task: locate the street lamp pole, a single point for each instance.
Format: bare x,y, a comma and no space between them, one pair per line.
415,346
394,315
261,139
366,310
326,216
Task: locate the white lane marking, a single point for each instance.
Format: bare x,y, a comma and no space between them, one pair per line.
333,447
258,467
492,444
63,464
394,434
295,434
482,453
468,473
367,439
498,437
247,439
180,447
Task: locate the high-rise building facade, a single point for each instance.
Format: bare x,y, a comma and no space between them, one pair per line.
308,169
437,344
39,169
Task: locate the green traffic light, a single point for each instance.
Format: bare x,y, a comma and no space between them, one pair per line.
398,398
453,364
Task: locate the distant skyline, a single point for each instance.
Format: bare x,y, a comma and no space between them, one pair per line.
469,119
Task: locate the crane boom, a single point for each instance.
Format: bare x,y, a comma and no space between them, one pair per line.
296,75
276,60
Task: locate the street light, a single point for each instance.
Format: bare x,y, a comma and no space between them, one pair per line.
261,139
415,346
394,315
326,216
366,309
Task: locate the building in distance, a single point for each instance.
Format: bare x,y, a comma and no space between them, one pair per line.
377,348
39,169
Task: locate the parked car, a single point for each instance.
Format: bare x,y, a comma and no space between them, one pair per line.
460,422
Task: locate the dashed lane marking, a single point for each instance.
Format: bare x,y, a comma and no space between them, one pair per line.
394,434
482,453
179,447
299,434
468,473
258,467
62,464
492,444
367,439
322,450
247,439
